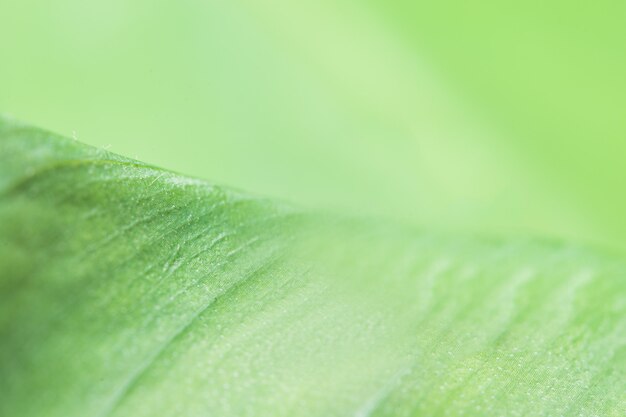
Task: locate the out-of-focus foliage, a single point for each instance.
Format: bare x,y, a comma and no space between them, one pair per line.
128,291
482,116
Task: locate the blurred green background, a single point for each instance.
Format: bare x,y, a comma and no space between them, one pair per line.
491,117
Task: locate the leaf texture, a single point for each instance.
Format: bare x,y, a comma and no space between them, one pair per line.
129,290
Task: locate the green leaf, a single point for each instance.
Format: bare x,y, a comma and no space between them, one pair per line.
128,290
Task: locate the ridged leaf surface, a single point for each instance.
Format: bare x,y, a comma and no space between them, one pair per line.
129,290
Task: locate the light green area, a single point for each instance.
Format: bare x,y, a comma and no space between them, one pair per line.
127,290
488,116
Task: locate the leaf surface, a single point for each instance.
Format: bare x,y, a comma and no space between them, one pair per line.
128,290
